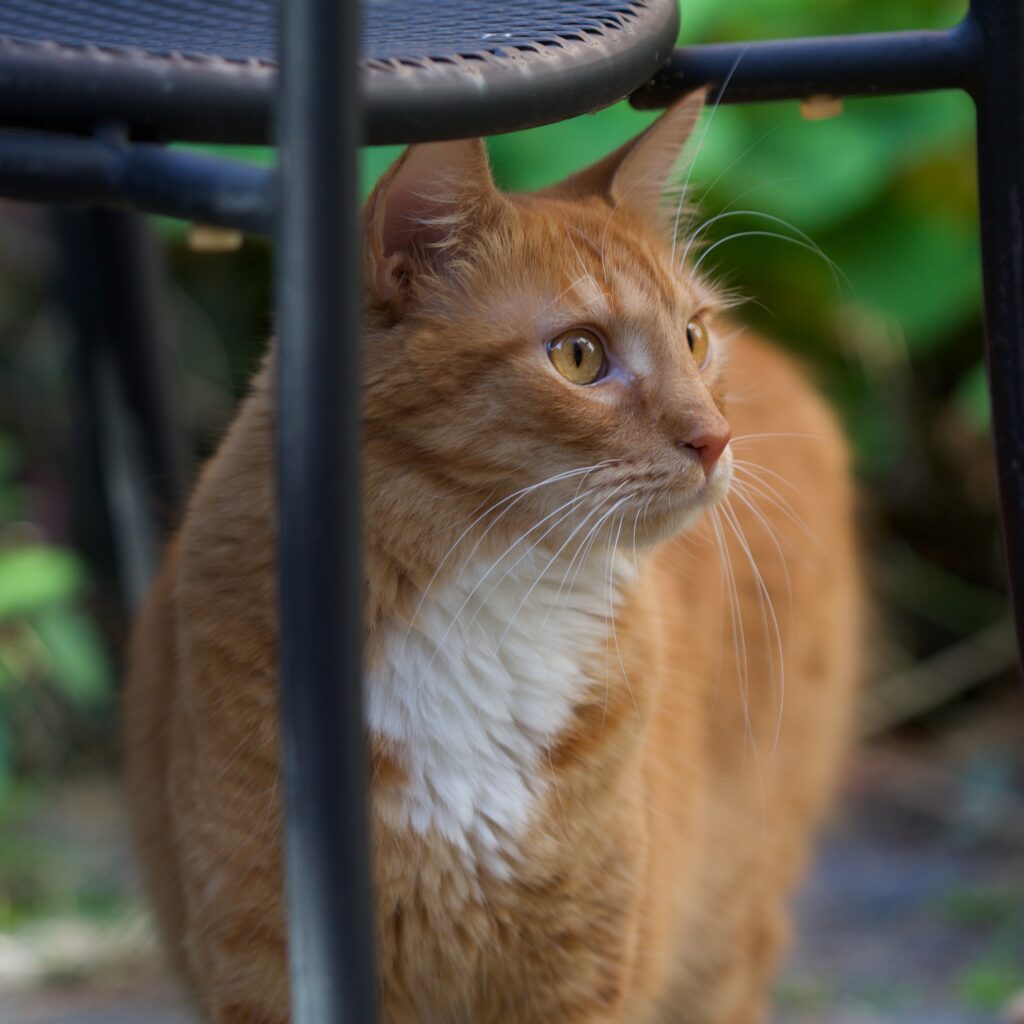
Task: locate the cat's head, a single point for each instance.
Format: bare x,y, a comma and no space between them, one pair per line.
547,354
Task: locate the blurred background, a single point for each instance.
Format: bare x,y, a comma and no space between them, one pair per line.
914,913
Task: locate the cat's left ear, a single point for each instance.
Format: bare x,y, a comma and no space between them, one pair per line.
423,211
636,175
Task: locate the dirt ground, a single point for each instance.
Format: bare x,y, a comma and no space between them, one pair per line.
914,913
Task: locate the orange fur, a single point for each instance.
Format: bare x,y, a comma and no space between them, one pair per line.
668,815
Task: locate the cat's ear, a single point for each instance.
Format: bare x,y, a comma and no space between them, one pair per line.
635,176
422,208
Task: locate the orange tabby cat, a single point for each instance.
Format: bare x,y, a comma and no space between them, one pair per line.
605,704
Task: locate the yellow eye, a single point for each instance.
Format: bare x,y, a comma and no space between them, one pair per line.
578,356
697,339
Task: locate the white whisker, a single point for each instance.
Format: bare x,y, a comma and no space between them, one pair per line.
707,189
765,490
572,506
775,434
835,268
517,496
579,549
700,146
469,597
611,612
540,576
767,607
589,541
802,235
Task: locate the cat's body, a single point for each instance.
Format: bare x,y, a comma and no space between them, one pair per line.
590,801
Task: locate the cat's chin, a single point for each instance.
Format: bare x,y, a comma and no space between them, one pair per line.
673,514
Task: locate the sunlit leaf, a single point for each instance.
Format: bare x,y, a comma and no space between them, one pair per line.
923,270
10,457
79,665
34,576
971,397
6,758
988,985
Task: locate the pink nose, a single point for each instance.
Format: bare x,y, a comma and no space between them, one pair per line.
709,447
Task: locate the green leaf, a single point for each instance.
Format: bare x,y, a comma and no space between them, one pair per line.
78,661
812,173
912,582
10,457
35,576
821,173
980,905
6,758
971,397
914,128
919,267
988,986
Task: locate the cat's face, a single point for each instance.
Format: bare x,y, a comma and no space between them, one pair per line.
544,351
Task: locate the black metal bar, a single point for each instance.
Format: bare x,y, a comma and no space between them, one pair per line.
330,933
855,65
497,96
146,176
132,276
128,469
72,90
77,88
999,98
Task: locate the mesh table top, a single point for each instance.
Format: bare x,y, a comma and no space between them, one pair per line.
205,69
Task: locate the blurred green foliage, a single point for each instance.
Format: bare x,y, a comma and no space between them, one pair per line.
887,190
53,662
988,986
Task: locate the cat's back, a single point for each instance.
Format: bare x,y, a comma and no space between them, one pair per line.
148,697
757,615
199,727
755,578
760,605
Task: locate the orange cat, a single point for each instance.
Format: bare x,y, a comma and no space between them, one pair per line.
605,701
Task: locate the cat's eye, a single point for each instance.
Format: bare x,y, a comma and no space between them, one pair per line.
578,356
697,339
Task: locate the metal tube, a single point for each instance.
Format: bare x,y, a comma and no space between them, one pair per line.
74,89
330,927
855,65
146,176
998,92
128,451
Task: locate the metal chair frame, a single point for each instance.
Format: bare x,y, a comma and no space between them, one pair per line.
309,206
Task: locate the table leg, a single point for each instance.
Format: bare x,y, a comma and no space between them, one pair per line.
130,455
999,96
318,293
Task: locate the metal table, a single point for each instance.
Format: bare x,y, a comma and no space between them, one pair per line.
90,92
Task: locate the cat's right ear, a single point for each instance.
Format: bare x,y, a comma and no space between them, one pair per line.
636,175
421,210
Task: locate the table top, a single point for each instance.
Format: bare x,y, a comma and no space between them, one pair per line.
205,70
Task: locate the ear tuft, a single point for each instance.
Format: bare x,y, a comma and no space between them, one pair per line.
421,207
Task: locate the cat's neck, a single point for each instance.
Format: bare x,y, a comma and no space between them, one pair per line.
472,694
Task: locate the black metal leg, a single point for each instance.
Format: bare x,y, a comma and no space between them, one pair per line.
130,469
999,96
318,288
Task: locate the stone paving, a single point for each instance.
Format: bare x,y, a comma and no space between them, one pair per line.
914,914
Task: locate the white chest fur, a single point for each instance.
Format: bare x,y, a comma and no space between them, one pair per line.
474,693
